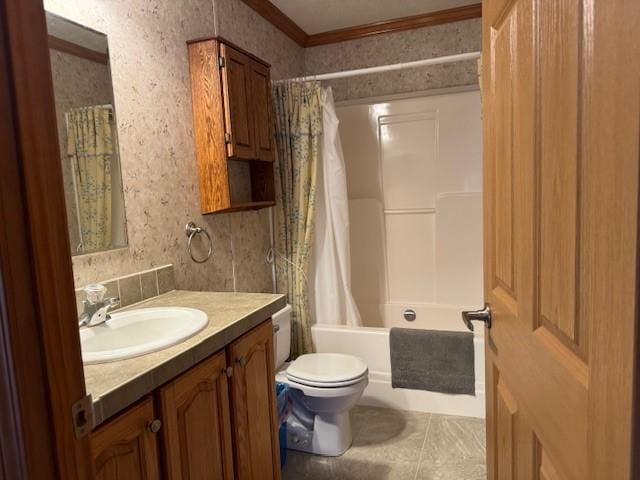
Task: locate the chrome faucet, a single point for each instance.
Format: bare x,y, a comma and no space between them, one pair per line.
96,307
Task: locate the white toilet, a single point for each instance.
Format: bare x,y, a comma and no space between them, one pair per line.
324,387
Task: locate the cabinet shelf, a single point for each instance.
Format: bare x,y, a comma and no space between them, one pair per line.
240,207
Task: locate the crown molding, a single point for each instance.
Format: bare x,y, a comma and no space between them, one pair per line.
285,24
407,23
279,20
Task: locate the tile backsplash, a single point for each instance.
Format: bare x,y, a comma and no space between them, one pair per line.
137,287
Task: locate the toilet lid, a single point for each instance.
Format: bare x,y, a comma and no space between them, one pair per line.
328,369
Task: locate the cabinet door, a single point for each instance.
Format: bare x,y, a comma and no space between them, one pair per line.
255,425
196,434
236,86
125,448
261,106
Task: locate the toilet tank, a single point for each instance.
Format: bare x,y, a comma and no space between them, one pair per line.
282,335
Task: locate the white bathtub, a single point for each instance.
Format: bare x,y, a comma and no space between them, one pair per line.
372,345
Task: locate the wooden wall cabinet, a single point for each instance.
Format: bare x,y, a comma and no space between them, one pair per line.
218,420
233,127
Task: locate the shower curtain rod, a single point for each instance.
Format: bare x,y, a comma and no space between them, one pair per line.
388,68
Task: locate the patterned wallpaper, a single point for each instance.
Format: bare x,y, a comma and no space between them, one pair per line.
147,44
155,131
418,44
241,25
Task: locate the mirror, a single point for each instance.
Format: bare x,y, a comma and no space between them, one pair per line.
86,119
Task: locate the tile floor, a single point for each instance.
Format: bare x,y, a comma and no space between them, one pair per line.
393,444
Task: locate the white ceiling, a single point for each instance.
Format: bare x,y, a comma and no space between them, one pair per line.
316,16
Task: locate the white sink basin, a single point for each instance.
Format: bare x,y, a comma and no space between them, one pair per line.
138,332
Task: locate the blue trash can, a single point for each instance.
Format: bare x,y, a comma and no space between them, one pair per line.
282,400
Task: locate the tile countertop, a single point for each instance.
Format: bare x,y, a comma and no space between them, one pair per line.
116,385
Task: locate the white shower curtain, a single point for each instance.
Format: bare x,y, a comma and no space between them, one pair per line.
331,283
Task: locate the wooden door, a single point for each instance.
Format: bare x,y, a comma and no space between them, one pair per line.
236,87
261,104
196,432
126,447
255,425
41,375
561,110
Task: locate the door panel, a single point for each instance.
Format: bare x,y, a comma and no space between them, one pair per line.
560,250
255,426
559,158
125,448
236,85
197,426
261,101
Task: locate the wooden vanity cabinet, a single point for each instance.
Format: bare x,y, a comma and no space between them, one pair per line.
231,96
215,421
255,422
126,447
196,432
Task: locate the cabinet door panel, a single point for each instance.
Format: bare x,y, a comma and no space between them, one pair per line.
236,84
124,448
196,434
261,101
253,403
208,126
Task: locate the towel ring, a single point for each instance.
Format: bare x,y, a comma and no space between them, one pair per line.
191,230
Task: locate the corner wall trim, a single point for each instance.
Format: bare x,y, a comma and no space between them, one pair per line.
279,19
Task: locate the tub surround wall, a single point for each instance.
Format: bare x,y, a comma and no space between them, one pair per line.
414,181
148,53
407,46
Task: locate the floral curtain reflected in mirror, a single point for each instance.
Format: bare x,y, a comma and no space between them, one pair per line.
87,135
90,151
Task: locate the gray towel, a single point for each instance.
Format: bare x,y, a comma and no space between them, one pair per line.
437,361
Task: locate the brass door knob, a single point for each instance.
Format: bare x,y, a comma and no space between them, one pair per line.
154,426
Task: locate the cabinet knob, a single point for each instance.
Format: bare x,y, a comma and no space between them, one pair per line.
242,361
154,426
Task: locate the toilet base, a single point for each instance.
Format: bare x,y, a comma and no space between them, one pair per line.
331,435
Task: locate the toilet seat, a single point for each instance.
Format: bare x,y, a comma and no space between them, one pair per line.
324,392
311,383
327,370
